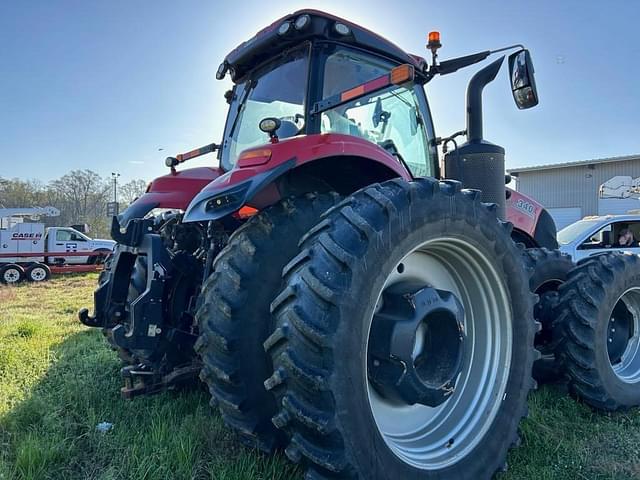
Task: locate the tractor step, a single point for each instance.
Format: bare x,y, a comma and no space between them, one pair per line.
142,380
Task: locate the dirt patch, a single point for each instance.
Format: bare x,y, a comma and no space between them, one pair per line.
7,294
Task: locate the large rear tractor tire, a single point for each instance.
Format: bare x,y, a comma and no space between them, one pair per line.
598,321
548,270
404,339
235,320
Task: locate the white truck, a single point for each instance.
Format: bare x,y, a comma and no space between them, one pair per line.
599,234
30,251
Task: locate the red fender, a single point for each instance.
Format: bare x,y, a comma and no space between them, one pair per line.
258,167
523,212
178,189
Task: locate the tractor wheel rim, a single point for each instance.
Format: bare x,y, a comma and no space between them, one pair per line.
431,438
11,275
627,367
38,274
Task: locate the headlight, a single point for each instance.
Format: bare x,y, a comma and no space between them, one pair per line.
302,22
341,29
284,28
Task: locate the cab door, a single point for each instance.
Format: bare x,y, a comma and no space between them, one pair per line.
397,118
69,240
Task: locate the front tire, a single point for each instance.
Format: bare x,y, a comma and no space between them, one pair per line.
383,240
235,320
548,270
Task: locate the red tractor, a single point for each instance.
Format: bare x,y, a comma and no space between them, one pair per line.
339,298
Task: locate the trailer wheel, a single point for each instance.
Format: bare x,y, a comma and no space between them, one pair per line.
599,326
548,270
11,274
38,272
235,320
404,339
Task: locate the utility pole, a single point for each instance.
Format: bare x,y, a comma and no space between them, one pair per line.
114,177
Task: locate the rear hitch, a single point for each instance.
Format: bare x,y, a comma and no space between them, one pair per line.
86,319
110,296
133,232
142,380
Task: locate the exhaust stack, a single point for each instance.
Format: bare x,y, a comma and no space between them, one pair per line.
479,164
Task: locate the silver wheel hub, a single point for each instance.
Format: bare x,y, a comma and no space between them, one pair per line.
416,345
11,275
623,337
38,274
434,437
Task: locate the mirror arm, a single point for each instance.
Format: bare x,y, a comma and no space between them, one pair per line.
453,65
504,49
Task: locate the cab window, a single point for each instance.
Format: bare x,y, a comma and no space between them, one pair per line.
609,236
276,90
345,69
389,118
600,239
69,236
63,236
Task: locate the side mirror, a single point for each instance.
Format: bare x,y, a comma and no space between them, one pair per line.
523,83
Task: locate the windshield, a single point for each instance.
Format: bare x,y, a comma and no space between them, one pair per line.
278,90
575,230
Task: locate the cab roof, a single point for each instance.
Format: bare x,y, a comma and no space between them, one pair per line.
268,42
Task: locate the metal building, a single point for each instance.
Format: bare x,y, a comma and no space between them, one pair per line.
570,190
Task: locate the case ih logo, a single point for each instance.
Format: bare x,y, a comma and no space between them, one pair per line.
26,236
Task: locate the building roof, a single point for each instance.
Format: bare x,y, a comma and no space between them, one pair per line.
595,161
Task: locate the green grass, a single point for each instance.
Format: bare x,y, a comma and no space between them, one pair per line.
58,380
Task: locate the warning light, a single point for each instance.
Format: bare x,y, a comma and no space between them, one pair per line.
433,45
434,41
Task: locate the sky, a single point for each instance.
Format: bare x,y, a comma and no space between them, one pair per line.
106,85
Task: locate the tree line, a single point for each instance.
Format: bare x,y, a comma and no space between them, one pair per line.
80,195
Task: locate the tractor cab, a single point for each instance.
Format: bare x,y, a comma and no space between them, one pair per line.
319,104
308,73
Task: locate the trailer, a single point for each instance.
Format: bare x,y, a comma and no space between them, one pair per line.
30,251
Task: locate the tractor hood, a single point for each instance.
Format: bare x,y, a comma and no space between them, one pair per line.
173,191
